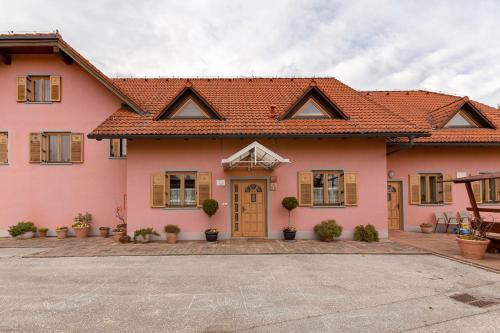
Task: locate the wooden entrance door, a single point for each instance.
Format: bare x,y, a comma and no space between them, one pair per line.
394,205
248,208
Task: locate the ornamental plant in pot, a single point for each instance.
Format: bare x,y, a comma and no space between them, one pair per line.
104,232
210,207
328,230
42,232
289,203
426,228
62,232
22,230
144,235
473,242
172,230
82,225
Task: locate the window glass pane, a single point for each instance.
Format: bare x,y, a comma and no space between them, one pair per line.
37,93
492,190
333,189
53,145
46,90
318,188
175,190
190,110
65,148
189,190
423,189
432,189
310,110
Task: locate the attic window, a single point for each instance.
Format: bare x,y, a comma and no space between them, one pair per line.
461,119
311,109
190,110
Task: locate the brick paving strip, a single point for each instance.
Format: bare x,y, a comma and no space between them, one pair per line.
101,247
443,245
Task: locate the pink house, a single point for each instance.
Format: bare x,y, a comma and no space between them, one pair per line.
73,140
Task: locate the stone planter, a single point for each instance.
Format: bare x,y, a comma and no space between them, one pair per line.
473,249
104,232
427,229
171,238
82,232
143,239
26,235
62,233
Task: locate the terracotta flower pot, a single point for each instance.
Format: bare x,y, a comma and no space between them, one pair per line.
118,234
42,234
327,239
427,229
104,233
171,238
471,248
82,232
62,233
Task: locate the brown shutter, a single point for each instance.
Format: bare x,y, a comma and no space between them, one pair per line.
351,188
477,189
35,147
447,189
158,190
305,185
115,147
414,188
204,187
497,190
4,148
76,148
55,88
21,89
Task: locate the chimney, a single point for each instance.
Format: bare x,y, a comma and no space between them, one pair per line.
273,111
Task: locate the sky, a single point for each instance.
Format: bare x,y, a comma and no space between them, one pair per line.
446,46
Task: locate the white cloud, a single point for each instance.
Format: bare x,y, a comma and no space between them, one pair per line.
441,45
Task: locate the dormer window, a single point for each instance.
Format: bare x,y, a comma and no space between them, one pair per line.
311,109
461,119
190,110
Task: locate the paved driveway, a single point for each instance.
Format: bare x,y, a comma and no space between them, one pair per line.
264,293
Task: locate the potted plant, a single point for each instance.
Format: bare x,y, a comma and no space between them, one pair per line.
426,228
473,242
22,230
365,233
62,232
121,228
210,207
172,230
117,233
104,232
82,225
143,235
328,230
42,232
289,203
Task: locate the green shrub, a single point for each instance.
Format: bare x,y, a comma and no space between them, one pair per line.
327,230
144,232
289,203
365,233
172,229
21,227
210,207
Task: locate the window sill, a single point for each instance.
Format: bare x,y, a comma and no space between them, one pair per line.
432,205
343,206
489,204
182,208
56,163
4,164
38,102
118,158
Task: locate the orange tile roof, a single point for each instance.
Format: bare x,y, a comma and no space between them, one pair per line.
250,106
429,109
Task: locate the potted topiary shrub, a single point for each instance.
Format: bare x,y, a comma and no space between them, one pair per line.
210,207
143,235
172,230
365,233
62,232
42,232
427,228
328,230
104,232
289,203
82,225
22,230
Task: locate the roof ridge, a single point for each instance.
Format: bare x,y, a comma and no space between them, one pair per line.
408,91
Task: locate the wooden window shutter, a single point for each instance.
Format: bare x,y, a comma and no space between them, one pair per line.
305,188
21,89
497,190
115,143
350,189
447,189
477,189
158,190
76,148
4,148
415,195
35,147
204,187
55,88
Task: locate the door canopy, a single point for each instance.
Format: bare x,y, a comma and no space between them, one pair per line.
254,156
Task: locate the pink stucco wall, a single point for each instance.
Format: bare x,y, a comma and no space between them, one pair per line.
51,195
366,157
446,160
